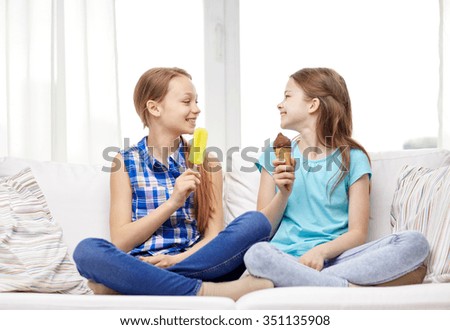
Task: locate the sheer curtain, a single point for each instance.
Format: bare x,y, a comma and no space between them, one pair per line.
444,92
58,80
58,70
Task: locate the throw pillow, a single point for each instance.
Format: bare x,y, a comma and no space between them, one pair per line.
33,256
422,203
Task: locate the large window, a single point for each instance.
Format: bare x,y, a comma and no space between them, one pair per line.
153,33
77,62
386,50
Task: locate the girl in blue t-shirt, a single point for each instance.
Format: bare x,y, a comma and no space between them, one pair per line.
319,206
166,218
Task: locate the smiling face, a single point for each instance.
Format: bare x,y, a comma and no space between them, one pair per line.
295,109
178,111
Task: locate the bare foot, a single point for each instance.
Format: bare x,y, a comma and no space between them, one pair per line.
415,276
235,289
100,288
351,285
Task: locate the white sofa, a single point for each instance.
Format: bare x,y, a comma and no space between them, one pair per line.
78,198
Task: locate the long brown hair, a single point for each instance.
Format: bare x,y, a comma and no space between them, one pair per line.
334,122
154,85
204,195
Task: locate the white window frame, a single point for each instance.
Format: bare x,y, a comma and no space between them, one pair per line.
222,74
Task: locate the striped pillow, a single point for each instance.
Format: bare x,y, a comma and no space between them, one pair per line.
33,257
422,202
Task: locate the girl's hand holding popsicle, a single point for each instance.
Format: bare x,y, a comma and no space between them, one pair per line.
188,182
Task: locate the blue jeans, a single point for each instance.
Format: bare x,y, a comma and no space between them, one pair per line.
102,262
372,263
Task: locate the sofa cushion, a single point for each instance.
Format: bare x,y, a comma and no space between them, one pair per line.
51,302
241,184
386,167
33,257
421,202
419,296
77,195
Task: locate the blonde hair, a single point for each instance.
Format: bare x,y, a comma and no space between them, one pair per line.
204,195
154,85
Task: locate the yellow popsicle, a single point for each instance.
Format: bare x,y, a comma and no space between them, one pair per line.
198,146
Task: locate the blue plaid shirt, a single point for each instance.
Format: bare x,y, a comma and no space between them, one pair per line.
152,183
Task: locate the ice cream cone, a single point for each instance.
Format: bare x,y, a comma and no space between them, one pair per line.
282,147
284,154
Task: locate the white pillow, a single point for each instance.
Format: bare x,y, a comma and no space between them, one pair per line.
422,203
241,184
33,257
386,167
76,194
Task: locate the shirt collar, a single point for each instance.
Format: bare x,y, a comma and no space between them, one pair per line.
176,161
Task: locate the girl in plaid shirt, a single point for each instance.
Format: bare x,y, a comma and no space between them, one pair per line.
166,219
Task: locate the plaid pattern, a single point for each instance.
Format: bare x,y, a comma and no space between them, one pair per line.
152,184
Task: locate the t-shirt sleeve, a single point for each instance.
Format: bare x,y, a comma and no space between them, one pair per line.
265,160
359,165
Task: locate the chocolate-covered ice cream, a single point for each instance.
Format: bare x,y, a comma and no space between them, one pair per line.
282,147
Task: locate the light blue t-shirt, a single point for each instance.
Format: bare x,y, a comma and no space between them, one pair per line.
313,214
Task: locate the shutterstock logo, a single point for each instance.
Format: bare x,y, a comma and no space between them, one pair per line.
248,155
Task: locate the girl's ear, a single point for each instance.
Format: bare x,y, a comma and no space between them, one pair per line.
153,108
314,105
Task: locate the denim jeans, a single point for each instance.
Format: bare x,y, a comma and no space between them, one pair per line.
102,262
372,263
